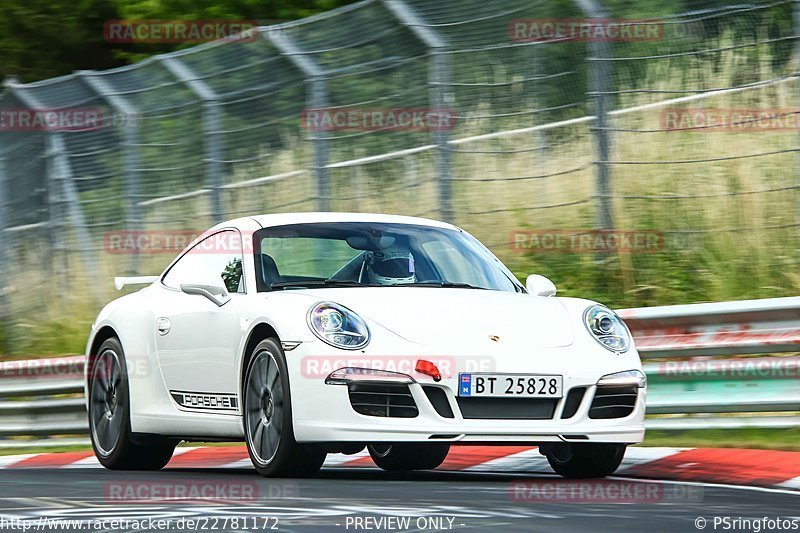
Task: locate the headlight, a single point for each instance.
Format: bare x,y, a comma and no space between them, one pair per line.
607,328
338,326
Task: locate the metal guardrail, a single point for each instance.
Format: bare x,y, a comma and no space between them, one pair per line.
38,397
706,393
725,328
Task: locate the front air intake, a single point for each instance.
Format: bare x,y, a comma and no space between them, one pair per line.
438,398
573,402
507,408
382,399
613,401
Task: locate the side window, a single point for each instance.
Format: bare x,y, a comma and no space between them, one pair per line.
215,260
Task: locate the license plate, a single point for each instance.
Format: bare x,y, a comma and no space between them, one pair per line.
511,385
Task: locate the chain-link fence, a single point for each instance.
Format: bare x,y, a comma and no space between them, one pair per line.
561,117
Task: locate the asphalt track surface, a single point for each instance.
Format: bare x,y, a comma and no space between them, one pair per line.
337,498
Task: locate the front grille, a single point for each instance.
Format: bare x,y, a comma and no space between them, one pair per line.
573,402
613,402
507,408
438,398
381,399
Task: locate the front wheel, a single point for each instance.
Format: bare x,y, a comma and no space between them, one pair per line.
110,416
585,460
395,457
268,418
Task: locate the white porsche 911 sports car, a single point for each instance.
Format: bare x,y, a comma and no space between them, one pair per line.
313,333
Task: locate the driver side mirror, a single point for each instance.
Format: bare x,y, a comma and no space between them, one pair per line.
540,286
216,293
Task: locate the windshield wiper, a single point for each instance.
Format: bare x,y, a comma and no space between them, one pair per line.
308,283
445,284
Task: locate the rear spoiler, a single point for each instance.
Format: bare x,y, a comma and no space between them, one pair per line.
121,282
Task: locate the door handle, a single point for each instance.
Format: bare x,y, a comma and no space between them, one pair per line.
163,326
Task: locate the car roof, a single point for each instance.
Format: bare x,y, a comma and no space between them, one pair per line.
281,219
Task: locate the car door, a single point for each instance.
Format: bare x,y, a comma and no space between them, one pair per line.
196,338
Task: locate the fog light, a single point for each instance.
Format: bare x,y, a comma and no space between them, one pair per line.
350,374
628,377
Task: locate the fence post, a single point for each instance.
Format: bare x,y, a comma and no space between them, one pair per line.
212,125
5,310
316,98
438,82
55,214
796,35
600,89
69,198
130,154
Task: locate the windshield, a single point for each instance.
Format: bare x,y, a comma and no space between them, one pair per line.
355,254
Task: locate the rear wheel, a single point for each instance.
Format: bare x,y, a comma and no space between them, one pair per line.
585,460
394,457
109,416
268,418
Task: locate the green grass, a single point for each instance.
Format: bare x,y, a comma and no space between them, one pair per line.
767,439
53,449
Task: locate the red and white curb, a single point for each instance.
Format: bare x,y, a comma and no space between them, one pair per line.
765,468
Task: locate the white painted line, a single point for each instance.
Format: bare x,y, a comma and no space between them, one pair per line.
186,449
92,462
333,460
775,490
88,462
527,461
338,459
8,460
791,484
241,463
638,455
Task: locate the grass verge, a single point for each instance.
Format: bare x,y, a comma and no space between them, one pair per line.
768,439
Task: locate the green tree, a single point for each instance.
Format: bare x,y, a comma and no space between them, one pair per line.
44,38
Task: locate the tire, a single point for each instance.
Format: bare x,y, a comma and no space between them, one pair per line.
576,461
399,457
110,417
267,417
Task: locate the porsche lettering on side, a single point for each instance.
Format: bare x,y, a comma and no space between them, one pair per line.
314,333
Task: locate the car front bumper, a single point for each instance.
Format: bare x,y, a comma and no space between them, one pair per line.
324,413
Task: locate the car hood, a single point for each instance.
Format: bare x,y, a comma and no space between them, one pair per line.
442,316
